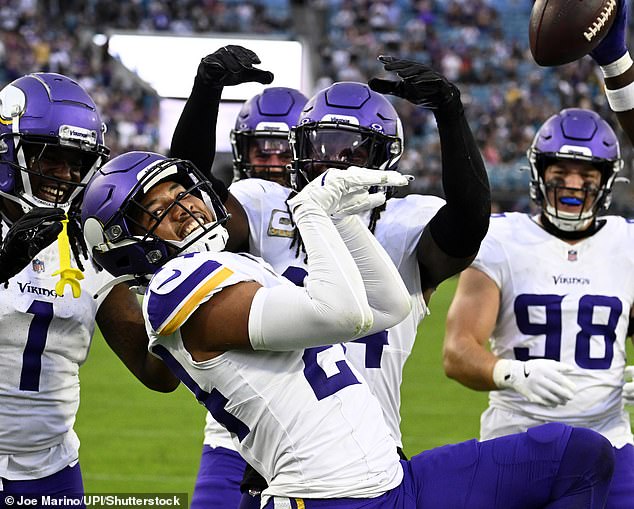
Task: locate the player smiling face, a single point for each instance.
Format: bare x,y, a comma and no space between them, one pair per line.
172,212
53,173
572,186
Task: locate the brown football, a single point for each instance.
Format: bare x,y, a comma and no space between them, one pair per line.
562,31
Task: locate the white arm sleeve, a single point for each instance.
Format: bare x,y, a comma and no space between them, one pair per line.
387,294
331,308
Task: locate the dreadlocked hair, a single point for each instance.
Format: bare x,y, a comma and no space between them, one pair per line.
297,243
75,233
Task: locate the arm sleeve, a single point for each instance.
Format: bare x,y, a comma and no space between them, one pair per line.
195,135
331,308
387,295
453,235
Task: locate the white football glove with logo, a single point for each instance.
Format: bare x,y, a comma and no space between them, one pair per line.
345,192
628,387
542,381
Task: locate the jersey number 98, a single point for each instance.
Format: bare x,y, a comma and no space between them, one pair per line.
551,327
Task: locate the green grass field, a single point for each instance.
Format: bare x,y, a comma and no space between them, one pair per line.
138,441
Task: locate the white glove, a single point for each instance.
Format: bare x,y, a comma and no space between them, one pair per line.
542,381
329,189
628,387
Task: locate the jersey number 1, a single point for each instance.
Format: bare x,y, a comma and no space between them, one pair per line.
35,343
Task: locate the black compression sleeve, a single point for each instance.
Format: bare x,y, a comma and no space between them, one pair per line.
195,135
462,223
453,236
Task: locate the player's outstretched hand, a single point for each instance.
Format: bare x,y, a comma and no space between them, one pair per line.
614,44
232,65
419,84
344,192
628,387
34,231
542,381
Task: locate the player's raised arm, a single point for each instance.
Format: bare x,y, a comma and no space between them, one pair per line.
615,61
451,239
194,138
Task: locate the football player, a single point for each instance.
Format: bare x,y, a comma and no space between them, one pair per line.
260,150
253,348
51,139
553,295
259,140
429,239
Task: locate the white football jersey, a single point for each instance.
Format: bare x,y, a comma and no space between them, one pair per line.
567,302
380,357
43,341
305,420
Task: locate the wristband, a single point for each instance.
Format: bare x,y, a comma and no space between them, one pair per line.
617,67
621,99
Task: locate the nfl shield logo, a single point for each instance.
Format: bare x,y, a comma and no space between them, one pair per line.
572,255
38,265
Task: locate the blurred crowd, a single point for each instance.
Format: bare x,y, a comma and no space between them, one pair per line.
482,45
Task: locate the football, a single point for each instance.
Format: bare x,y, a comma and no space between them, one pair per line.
562,31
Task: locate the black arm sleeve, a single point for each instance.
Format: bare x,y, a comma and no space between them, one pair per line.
452,238
195,135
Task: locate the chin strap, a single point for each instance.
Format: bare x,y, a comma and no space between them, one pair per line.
140,288
594,227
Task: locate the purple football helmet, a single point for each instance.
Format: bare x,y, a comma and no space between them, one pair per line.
261,132
47,121
345,124
580,135
112,212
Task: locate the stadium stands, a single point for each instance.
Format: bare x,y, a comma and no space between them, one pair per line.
480,44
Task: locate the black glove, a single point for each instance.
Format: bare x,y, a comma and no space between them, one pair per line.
419,84
231,65
34,231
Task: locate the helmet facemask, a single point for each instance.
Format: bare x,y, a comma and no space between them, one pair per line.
557,196
51,141
52,175
254,153
259,139
580,136
321,145
133,240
